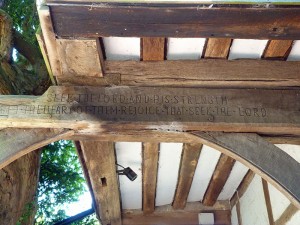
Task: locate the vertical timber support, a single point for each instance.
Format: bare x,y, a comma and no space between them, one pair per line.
150,166
99,158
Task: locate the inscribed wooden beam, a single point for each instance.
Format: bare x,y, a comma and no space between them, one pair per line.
189,161
175,20
208,73
99,158
93,109
18,142
261,157
150,165
218,180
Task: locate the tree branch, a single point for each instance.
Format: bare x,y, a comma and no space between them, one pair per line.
27,49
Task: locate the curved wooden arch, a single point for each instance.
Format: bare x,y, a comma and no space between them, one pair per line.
264,158
18,142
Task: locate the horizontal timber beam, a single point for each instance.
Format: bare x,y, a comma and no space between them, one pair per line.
176,20
199,73
166,136
169,216
92,109
263,158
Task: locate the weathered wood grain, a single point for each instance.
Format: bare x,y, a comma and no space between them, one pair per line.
174,218
18,142
41,41
278,49
79,58
268,201
261,157
188,164
218,180
106,81
165,136
149,108
177,20
238,211
150,166
208,73
242,188
153,49
217,48
50,39
100,161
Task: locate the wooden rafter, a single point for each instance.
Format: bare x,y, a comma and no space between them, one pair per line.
242,188
223,169
247,148
218,180
217,48
188,165
268,201
152,49
278,49
288,213
99,158
130,20
150,166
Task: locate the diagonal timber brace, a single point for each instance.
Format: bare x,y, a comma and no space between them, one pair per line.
264,158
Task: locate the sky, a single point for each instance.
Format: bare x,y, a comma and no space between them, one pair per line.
84,203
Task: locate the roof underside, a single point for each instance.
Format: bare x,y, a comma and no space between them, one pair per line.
96,44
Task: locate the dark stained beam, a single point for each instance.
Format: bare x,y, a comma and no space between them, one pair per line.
218,180
176,20
188,165
150,165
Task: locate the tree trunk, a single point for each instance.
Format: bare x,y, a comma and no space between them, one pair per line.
19,180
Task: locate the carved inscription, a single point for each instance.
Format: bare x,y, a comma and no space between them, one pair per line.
128,105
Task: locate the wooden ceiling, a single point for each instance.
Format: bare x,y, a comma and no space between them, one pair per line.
72,42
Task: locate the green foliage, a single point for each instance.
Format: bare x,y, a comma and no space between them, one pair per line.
27,213
61,181
24,16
